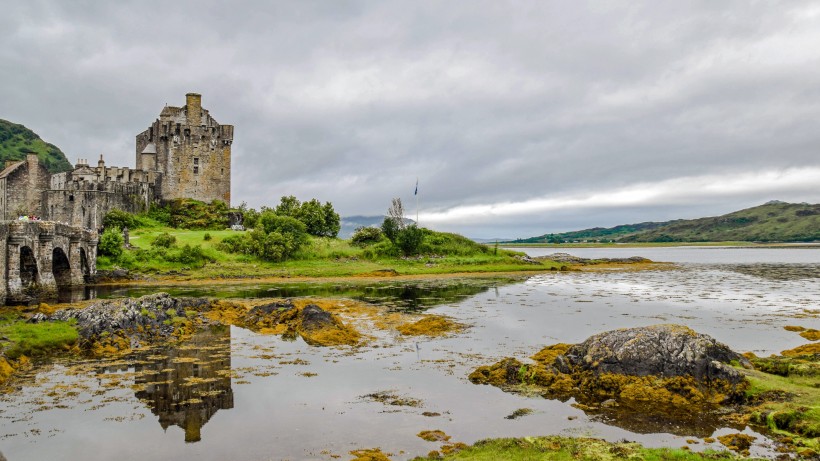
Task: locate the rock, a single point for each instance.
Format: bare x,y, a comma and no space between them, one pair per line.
659,350
274,307
314,317
131,317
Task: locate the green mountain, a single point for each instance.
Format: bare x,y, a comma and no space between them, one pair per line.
593,234
774,221
16,141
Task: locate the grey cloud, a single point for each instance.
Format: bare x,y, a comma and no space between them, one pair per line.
486,103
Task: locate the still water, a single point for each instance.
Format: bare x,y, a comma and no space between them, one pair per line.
234,394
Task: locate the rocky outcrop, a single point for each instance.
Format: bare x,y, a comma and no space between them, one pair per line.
316,326
570,259
647,368
125,323
658,350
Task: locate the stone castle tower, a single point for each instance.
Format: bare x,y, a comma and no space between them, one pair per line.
190,150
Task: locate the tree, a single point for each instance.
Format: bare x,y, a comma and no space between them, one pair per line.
288,206
313,216
396,213
332,221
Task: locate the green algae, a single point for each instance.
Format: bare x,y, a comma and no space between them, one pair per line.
568,448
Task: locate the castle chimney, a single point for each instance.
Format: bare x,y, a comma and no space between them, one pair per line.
193,105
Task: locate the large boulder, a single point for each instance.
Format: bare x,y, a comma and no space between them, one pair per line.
657,350
659,369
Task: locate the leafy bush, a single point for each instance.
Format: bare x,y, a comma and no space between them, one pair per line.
164,240
120,219
191,255
206,237
161,214
111,243
272,246
409,240
363,236
275,238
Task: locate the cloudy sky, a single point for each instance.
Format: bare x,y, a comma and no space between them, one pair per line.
517,118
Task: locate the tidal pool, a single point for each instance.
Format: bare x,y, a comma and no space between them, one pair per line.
230,393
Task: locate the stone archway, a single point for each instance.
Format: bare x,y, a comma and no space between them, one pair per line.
28,267
60,267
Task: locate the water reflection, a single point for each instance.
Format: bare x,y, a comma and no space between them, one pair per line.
404,296
186,386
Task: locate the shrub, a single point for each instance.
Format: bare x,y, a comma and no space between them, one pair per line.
363,236
206,237
120,219
409,240
193,214
111,243
164,240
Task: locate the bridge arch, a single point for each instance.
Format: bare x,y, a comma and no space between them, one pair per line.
44,254
60,267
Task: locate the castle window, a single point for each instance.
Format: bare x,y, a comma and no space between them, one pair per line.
196,170
196,161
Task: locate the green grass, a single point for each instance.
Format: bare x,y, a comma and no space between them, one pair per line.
321,257
568,448
797,415
34,339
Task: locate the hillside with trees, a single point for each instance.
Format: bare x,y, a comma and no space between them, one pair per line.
17,140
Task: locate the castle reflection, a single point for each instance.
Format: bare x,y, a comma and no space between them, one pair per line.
187,385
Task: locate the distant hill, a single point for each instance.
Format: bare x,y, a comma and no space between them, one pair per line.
16,141
774,221
594,234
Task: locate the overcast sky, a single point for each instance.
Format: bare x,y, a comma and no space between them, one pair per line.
517,118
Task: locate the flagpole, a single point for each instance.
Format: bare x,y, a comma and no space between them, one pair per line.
417,201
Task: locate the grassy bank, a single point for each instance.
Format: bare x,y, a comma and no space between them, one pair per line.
320,257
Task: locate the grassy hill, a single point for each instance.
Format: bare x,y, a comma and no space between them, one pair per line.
595,233
772,222
16,141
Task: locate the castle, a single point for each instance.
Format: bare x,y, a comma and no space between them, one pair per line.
50,221
185,153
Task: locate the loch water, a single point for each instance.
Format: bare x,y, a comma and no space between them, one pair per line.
232,394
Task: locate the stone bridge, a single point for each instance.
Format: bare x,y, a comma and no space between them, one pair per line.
40,257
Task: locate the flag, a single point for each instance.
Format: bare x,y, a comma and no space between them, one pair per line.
417,187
